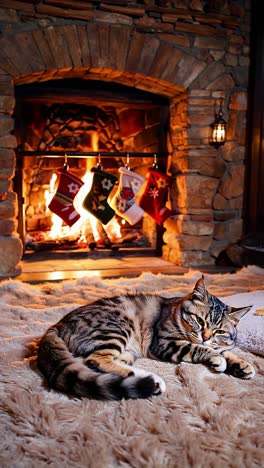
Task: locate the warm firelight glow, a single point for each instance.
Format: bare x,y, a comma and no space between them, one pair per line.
86,222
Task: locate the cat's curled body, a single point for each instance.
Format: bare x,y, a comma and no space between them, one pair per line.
90,352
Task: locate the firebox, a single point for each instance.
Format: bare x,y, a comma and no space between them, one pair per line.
78,126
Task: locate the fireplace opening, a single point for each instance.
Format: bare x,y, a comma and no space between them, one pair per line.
81,125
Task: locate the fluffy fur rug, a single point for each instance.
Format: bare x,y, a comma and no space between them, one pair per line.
203,419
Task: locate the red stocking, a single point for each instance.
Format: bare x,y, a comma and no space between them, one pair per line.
155,195
62,202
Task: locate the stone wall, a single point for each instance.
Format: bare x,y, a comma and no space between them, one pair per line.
193,52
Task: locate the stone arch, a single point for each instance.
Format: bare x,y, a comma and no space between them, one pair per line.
104,47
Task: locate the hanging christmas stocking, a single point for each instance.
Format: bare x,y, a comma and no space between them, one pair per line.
62,202
155,195
96,200
123,201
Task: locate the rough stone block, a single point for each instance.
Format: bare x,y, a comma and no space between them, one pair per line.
6,85
217,54
8,141
233,185
29,51
212,167
148,54
7,170
195,29
15,54
6,124
220,202
240,76
235,230
187,71
187,258
8,227
118,46
196,228
112,18
50,10
231,60
238,101
176,39
220,231
124,10
57,43
45,51
8,16
7,209
11,251
210,42
194,191
236,203
198,132
233,152
198,119
162,67
185,242
72,39
7,104
210,73
84,45
223,82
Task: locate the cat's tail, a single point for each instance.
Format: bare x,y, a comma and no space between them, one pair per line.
70,375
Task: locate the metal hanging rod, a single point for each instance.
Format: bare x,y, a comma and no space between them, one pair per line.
90,154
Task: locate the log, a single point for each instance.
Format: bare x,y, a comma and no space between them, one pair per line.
104,240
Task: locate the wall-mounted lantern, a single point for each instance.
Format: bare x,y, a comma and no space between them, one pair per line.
218,128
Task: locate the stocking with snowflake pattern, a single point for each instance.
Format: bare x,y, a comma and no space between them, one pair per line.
154,198
96,200
123,201
62,202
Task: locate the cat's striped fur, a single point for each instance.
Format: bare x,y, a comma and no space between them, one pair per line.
91,351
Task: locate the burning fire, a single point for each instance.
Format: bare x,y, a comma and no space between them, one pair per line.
86,223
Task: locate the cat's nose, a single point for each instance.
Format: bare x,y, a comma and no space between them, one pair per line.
206,335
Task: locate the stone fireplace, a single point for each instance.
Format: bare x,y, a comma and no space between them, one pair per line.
78,123
189,54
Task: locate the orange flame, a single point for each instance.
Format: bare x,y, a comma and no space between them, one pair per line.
86,222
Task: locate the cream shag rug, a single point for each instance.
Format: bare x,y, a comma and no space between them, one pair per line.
203,420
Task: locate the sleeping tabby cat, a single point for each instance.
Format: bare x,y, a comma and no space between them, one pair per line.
90,352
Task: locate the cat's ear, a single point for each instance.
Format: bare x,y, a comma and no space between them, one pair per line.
236,314
199,293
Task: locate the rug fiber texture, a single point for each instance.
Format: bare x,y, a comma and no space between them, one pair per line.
203,419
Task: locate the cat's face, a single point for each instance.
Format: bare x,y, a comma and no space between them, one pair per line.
208,320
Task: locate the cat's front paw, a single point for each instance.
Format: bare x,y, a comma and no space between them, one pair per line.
241,369
160,385
218,363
